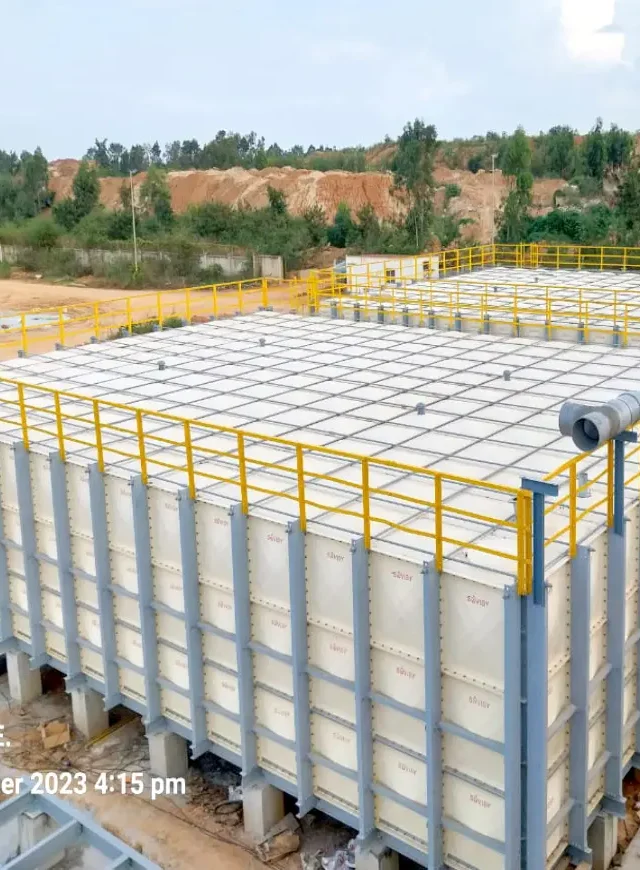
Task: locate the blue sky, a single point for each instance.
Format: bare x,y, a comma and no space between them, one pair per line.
337,72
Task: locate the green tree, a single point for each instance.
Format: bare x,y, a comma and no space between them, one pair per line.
155,197
516,166
628,199
413,171
277,201
343,231
559,152
316,222
595,152
619,146
86,195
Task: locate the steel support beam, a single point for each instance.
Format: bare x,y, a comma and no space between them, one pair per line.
242,607
6,624
362,655
191,593
58,474
433,711
535,684
616,605
99,525
142,535
512,727
301,701
579,746
29,552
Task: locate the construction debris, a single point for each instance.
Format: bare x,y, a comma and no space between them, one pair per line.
283,844
342,859
55,734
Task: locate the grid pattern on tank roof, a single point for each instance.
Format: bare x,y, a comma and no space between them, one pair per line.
352,387
606,293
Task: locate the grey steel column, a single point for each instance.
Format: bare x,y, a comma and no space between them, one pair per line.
142,537
579,749
513,749
191,592
535,688
6,624
242,608
65,568
29,551
301,702
100,529
362,654
614,802
433,712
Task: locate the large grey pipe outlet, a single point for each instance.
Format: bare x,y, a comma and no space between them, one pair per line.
592,426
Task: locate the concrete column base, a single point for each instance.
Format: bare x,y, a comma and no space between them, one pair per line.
168,755
89,716
262,807
376,856
603,840
34,827
24,684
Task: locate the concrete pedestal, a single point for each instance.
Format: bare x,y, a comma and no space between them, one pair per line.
262,806
603,840
168,755
89,716
376,856
24,684
34,827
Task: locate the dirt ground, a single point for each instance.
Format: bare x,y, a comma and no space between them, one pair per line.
79,304
176,833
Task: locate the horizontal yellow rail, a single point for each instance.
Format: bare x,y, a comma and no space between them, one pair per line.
114,431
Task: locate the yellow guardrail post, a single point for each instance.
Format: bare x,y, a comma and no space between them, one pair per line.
98,431
23,331
23,417
129,317
159,306
242,466
188,449
141,445
302,506
187,304
264,292
366,506
214,290
437,484
59,426
61,325
96,320
624,260
573,509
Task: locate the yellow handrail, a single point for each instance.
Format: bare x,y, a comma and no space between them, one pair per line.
139,442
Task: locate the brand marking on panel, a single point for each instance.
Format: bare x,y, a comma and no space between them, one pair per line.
284,713
406,768
480,801
223,605
478,702
335,647
278,623
403,672
170,506
219,521
275,539
228,686
402,575
335,556
479,602
341,738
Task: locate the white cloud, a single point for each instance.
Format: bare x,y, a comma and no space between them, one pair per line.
588,35
343,49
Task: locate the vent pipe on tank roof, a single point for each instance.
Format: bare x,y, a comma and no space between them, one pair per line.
591,426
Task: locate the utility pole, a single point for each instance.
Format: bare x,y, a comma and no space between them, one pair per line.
494,157
133,222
